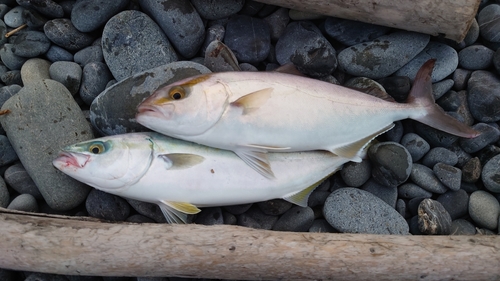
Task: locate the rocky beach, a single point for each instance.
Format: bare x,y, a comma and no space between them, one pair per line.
77,70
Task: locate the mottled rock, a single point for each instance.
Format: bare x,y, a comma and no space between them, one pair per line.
491,174
410,190
416,146
88,55
488,20
89,15
387,193
30,44
213,33
433,219
424,177
484,96
95,77
450,176
35,70
462,227
219,58
9,59
391,163
63,33
471,171
274,207
67,73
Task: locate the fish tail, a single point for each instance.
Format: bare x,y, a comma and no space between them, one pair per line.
434,116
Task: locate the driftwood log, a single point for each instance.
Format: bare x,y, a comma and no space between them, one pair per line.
83,246
448,18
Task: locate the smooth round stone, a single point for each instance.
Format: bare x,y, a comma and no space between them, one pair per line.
489,135
484,96
297,219
88,55
30,44
55,120
475,57
424,177
433,219
67,73
56,53
473,33
446,63
24,202
219,58
396,86
462,227
180,22
439,155
460,78
277,22
47,8
317,198
489,22
210,216
249,38
213,10
89,15
11,78
321,226
491,174
149,210
254,216
484,209
349,32
247,221
415,145
450,176
471,171
132,42
34,70
352,210
9,59
229,218
391,163
213,33
237,209
139,219
440,88
14,17
6,92
95,77
19,180
106,206
456,203
356,174
410,190
4,194
110,117
7,153
383,56
387,193
63,33
274,207
303,44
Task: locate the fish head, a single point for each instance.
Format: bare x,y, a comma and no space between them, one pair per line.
108,163
186,108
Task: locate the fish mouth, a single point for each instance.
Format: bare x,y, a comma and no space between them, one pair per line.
165,111
67,159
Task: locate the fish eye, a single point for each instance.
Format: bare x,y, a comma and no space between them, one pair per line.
177,93
96,148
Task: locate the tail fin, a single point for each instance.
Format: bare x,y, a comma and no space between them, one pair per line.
421,96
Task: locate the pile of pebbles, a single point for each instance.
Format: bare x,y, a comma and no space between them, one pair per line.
415,180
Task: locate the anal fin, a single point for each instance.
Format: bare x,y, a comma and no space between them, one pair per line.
177,212
256,158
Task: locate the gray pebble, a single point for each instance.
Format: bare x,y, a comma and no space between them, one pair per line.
274,207
303,44
488,152
229,218
249,38
488,20
396,86
247,67
34,20
350,32
433,219
4,194
11,60
47,8
471,171
416,146
277,22
89,15
425,178
389,194
356,174
413,205
414,228
238,209
439,155
56,53
383,56
483,95
7,153
455,202
55,120
180,22
35,70
446,63
255,218
489,134
473,33
247,221
214,33
67,73
448,175
317,198
24,202
401,208
88,55
391,163
63,33
11,78
210,216
462,227
19,180
440,88
297,219
106,206
491,174
111,117
149,210
410,190
30,44
484,209
132,42
95,77
460,78
475,57
395,134
352,210
3,10
321,226
6,92
14,17
462,156
213,10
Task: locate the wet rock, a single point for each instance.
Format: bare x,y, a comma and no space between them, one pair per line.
471,171
56,53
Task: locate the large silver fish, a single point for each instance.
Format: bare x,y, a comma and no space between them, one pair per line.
180,176
252,113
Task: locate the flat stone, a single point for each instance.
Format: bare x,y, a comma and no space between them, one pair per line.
110,116
424,177
442,87
11,60
63,33
484,209
89,15
30,44
95,77
387,193
56,53
356,174
18,179
488,20
14,17
132,43
491,174
107,206
55,121
352,210
67,73
448,175
410,190
88,55
12,78
297,219
35,70
475,57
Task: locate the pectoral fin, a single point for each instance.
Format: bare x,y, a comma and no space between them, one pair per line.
179,161
253,101
257,159
352,151
176,212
